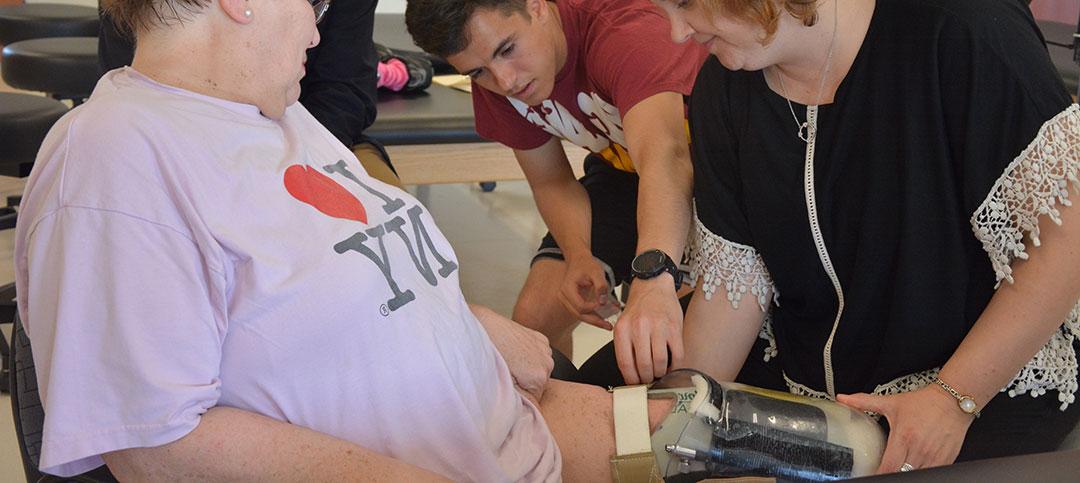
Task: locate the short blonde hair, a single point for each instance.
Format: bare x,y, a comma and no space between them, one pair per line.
767,12
134,15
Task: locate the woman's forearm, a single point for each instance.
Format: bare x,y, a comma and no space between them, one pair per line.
236,445
718,336
1022,316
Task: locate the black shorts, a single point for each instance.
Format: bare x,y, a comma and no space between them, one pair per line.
613,198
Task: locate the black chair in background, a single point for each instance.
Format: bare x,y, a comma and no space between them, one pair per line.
29,415
40,55
65,68
50,48
39,20
24,121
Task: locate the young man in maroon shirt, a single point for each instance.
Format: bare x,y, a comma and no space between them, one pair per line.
604,75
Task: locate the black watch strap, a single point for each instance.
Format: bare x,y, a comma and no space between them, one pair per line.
652,263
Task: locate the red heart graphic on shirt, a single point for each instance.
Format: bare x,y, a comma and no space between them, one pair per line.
316,189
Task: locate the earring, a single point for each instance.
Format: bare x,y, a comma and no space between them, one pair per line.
247,13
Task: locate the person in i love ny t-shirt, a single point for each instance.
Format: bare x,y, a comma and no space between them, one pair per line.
215,288
604,75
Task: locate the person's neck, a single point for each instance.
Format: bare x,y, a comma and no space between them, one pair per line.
805,51
182,62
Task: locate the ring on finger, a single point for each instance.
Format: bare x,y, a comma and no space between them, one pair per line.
906,467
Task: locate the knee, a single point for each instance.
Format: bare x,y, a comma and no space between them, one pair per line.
540,310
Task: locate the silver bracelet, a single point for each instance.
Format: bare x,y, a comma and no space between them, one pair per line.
967,403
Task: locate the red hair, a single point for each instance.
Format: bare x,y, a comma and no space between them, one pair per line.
767,12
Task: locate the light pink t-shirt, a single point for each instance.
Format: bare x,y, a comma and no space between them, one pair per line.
175,252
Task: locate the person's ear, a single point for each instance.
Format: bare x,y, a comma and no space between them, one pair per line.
238,10
537,9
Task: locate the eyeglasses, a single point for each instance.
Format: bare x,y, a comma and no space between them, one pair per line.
320,6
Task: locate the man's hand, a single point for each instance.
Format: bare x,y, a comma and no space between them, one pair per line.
582,288
927,428
648,330
526,351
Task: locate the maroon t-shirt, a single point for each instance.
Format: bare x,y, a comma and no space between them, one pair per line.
619,52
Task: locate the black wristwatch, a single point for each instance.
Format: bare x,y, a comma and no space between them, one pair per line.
651,263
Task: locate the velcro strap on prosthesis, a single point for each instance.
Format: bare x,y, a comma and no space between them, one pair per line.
633,461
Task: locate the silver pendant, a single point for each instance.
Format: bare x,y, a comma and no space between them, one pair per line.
804,132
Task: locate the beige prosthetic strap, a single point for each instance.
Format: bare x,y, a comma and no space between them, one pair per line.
633,461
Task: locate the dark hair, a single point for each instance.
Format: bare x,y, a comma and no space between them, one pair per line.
438,26
133,15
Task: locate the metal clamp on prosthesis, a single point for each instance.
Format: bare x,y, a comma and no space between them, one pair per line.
721,429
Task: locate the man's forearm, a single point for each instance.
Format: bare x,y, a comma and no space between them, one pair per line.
656,134
236,445
664,192
565,208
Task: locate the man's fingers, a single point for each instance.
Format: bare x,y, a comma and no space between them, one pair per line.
575,302
643,352
644,365
595,320
584,301
599,284
673,330
624,355
587,316
659,356
675,344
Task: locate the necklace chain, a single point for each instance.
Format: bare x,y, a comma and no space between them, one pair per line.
805,131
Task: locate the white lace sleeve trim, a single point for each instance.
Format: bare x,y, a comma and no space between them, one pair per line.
1031,186
738,268
1054,368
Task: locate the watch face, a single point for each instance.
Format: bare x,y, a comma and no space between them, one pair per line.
649,262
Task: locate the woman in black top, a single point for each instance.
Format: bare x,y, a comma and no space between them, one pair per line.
872,184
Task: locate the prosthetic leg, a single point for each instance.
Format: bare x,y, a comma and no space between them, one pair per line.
721,430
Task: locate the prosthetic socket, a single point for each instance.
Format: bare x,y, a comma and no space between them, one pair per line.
721,429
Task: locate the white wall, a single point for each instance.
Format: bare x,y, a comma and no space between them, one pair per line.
385,6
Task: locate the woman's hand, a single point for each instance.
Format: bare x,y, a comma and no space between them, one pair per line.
582,288
526,351
927,427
